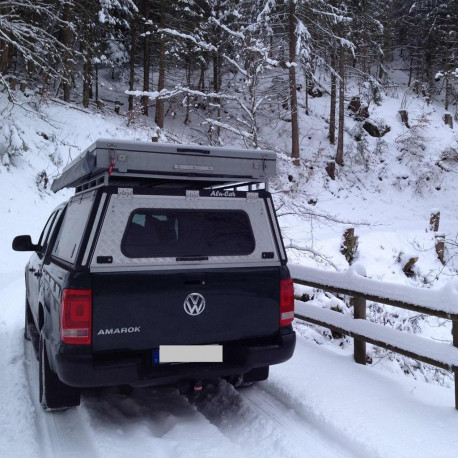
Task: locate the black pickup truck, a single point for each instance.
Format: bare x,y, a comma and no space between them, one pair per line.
155,282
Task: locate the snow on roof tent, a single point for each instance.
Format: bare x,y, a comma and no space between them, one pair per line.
107,161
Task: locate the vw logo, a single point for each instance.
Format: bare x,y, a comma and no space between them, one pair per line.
194,304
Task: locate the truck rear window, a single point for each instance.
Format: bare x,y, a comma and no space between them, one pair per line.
180,233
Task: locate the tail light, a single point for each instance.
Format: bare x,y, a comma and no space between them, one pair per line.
286,302
76,316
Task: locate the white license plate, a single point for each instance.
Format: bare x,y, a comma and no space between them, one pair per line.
190,354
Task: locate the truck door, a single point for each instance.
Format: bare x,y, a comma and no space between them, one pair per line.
35,265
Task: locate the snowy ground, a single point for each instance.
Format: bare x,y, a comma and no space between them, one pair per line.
320,403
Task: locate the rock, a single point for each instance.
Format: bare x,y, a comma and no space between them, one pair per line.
404,117
331,170
374,130
314,92
362,114
355,104
408,268
448,120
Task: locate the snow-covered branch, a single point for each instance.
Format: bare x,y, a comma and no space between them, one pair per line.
200,43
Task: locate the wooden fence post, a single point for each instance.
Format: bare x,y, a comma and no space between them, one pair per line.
440,247
359,346
434,220
156,134
455,344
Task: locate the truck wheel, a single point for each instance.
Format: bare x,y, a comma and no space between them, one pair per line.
28,321
54,395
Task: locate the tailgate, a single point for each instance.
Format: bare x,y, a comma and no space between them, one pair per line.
142,310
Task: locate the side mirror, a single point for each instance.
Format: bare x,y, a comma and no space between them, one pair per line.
24,243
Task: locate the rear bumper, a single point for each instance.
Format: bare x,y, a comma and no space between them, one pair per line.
138,370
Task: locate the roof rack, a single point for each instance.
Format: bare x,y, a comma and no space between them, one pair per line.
129,163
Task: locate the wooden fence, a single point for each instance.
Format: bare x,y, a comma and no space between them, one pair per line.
436,353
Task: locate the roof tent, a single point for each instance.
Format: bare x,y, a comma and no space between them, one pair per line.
108,161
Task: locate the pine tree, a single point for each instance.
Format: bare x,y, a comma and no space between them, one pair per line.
25,34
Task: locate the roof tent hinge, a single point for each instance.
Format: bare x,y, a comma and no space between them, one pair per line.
125,193
192,195
264,163
252,197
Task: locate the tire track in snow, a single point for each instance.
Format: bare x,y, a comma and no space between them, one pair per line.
152,422
148,423
289,413
316,422
259,421
17,414
62,434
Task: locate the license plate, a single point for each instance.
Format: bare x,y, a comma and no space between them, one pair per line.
188,354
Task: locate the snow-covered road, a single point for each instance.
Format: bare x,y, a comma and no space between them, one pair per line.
319,404
163,423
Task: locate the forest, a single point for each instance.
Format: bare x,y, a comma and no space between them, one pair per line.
229,61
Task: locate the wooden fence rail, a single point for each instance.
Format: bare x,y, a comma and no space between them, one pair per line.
361,289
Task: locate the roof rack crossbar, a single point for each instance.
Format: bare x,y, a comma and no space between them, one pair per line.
132,180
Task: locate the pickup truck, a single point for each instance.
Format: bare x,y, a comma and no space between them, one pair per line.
156,282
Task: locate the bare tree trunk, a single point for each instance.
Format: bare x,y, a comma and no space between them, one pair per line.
4,52
306,92
292,83
340,138
146,59
410,69
132,64
4,57
161,81
87,81
332,114
67,37
30,68
188,84
447,91
10,55
217,87
364,61
96,85
201,84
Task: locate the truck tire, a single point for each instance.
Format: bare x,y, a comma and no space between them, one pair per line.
54,395
28,322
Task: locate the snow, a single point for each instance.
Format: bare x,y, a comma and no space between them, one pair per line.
443,299
436,351
373,413
200,43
